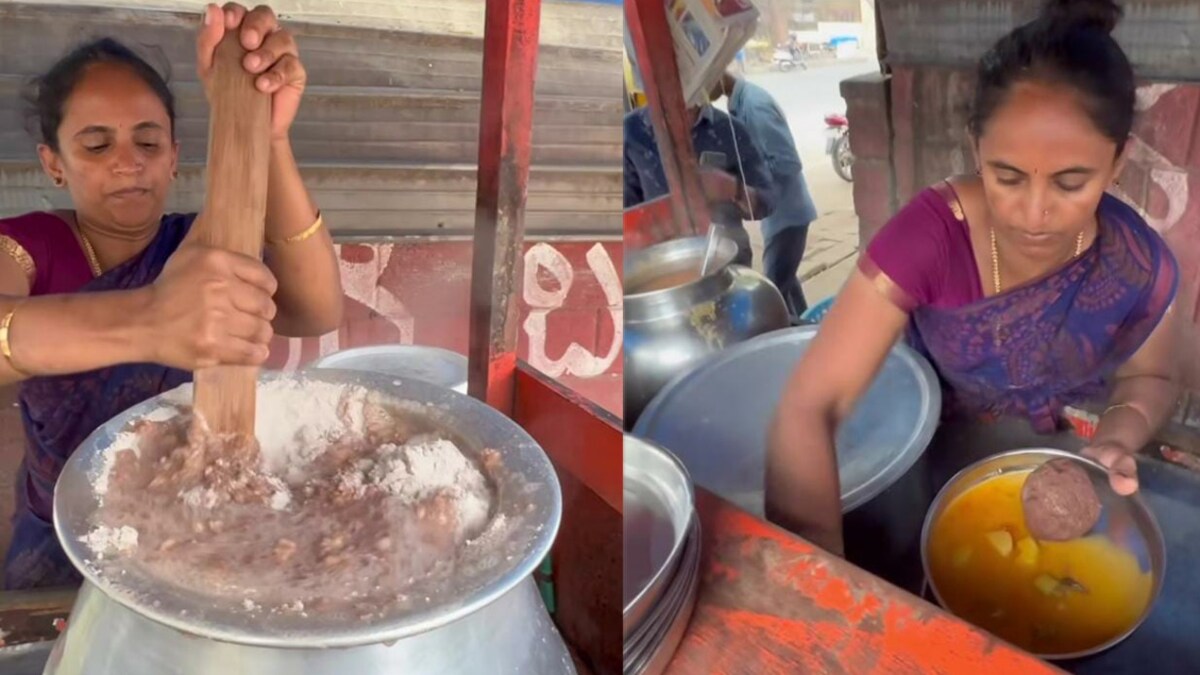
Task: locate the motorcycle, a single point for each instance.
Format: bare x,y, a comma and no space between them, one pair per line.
786,60
837,146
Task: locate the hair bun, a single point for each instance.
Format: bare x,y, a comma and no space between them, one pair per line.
1100,14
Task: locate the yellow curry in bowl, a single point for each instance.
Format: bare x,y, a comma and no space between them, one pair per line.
1049,598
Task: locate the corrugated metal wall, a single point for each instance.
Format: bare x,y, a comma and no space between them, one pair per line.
387,133
564,22
1160,36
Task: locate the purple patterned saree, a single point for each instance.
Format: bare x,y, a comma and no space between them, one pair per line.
1036,348
60,412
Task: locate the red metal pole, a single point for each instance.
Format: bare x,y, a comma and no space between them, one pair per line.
655,53
510,44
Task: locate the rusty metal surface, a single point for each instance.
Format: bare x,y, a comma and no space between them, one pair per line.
580,437
34,616
587,577
773,604
655,56
585,444
510,49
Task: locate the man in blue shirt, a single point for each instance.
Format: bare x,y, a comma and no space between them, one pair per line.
785,232
718,141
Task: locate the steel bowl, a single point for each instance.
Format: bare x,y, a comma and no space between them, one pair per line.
527,495
650,652
1126,521
658,515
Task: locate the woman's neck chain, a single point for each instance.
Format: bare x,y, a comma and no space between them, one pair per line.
996,257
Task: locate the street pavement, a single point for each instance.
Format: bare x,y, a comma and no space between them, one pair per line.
806,96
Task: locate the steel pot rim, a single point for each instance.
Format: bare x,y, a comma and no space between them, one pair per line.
673,252
674,480
529,473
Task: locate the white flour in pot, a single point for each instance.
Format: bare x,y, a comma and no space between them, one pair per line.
344,502
107,540
424,467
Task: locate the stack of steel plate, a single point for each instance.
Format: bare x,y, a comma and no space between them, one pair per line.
661,556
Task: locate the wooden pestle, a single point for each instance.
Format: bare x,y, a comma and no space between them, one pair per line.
234,215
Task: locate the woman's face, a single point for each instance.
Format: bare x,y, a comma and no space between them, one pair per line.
115,150
1045,166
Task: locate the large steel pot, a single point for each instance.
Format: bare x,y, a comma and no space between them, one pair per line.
493,621
672,329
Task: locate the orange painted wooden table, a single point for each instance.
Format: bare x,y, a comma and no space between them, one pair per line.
771,603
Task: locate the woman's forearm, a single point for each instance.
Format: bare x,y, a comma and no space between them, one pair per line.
309,298
63,334
803,494
1138,407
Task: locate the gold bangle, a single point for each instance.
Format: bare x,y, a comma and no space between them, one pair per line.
5,347
1129,406
296,238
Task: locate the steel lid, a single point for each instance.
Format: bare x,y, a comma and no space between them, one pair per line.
715,419
427,364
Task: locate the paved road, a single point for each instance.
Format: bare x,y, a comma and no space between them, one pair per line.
806,96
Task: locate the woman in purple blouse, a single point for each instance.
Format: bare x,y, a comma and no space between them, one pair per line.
111,302
1026,285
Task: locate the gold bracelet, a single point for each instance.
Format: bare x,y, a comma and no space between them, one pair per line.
296,238
1131,407
5,347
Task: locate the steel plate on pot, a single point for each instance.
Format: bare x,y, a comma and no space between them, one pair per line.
715,419
658,512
